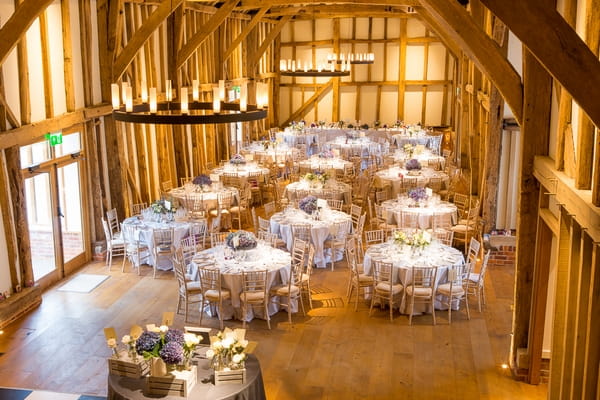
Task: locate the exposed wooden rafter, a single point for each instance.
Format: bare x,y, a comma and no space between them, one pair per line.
253,22
557,46
250,4
486,53
269,39
211,25
141,35
322,91
18,24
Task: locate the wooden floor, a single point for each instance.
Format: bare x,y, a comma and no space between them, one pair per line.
332,353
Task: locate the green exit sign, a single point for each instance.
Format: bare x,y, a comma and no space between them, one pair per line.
54,138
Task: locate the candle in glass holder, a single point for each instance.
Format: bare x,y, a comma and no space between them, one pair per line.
153,100
244,97
144,92
216,100
195,90
114,90
184,100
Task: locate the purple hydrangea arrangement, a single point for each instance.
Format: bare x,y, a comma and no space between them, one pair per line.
174,335
202,180
237,159
147,342
418,194
241,240
326,154
412,165
308,204
172,353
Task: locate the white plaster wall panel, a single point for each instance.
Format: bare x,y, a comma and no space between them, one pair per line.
302,30
97,91
284,103
362,28
433,111
325,108
393,28
414,28
347,103
76,54
575,124
393,63
388,113
414,62
323,29
413,98
36,78
553,126
10,68
346,28
436,62
310,114
286,33
297,98
378,28
377,66
515,53
57,65
368,102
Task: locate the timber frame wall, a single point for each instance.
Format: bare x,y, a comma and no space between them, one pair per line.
554,100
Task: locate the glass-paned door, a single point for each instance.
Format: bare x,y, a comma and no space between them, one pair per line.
40,213
69,196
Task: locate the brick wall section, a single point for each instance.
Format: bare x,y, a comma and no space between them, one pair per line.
504,256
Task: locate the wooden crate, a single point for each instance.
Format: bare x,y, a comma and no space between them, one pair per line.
125,366
178,383
232,376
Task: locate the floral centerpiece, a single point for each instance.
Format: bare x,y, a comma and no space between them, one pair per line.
413,166
418,194
408,149
322,124
269,143
398,124
172,346
241,240
237,159
308,204
228,349
417,240
317,176
162,207
326,154
202,180
297,126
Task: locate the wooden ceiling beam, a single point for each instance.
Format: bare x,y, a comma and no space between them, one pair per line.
334,10
433,25
322,91
250,4
18,24
208,28
142,34
460,26
558,48
269,39
247,29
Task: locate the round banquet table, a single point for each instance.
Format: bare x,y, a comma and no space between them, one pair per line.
402,257
297,190
321,163
392,210
276,262
279,153
360,147
242,171
209,196
395,176
122,388
425,157
281,223
144,230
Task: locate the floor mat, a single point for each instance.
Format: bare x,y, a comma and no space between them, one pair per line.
83,283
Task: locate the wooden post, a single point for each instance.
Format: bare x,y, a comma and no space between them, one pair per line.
534,141
10,233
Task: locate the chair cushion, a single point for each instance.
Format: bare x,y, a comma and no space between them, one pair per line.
193,285
305,277
213,294
284,290
419,292
252,296
362,278
385,287
444,289
461,228
474,277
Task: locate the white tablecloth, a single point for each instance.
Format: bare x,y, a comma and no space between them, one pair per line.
281,223
276,262
144,230
209,196
392,210
403,259
243,171
279,153
425,157
395,177
359,147
322,163
342,191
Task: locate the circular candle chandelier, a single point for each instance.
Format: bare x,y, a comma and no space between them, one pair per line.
186,112
297,68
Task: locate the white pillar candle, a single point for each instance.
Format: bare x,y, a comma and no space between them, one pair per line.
128,99
293,65
244,97
221,90
195,90
216,100
184,100
124,91
144,92
168,90
332,67
114,90
153,100
283,65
